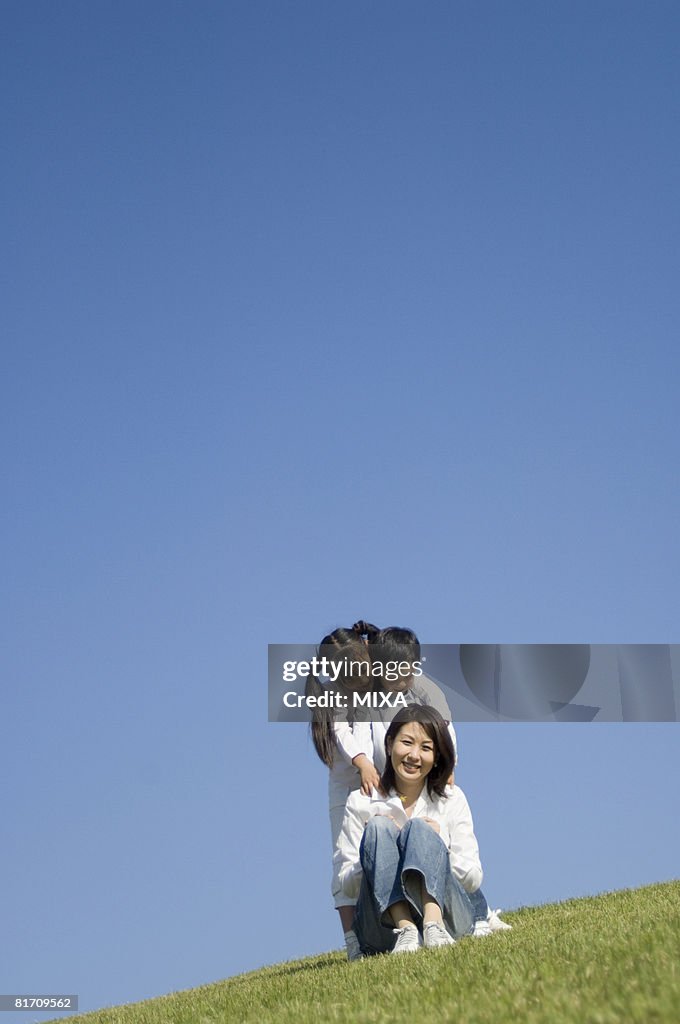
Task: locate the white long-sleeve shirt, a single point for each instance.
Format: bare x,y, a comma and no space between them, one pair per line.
343,777
353,739
451,812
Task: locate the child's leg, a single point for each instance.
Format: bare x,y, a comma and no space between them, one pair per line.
351,939
344,907
346,918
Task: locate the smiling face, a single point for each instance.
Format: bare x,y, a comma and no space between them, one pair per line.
412,754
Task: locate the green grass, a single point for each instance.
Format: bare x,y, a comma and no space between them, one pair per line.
611,958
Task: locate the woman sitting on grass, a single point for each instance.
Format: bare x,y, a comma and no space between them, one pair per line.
411,855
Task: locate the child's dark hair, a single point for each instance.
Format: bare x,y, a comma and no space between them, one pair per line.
435,727
394,644
366,629
341,643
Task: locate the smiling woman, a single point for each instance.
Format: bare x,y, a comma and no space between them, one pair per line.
410,851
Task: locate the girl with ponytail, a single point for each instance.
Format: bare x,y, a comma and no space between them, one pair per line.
345,746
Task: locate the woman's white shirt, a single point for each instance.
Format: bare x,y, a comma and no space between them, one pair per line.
451,812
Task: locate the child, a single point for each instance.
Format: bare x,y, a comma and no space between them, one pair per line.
345,746
395,646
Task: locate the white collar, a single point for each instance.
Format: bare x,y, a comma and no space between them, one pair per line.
394,799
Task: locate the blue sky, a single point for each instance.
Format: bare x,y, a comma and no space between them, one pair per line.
315,312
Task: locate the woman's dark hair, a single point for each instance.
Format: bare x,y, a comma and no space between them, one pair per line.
394,644
435,727
341,643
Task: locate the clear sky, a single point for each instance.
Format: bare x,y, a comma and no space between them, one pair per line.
311,312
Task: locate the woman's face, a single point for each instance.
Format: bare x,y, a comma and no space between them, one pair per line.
412,754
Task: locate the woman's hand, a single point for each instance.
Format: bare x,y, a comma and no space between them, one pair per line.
433,823
370,779
384,814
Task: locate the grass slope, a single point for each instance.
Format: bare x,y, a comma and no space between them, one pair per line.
612,958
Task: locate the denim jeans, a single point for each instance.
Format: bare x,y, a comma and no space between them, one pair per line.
480,908
396,864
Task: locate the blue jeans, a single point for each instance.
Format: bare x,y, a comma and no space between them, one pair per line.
480,908
397,863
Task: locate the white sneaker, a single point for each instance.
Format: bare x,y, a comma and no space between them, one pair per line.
494,921
408,939
481,929
435,935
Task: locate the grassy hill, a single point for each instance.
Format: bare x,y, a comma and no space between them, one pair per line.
612,958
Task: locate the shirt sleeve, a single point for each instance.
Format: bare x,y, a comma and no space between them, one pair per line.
433,695
378,732
353,740
452,734
346,856
463,847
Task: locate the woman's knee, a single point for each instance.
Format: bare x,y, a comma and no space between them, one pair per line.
417,824
380,825
379,833
417,832
417,827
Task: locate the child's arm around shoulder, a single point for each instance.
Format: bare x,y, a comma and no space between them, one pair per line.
353,742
